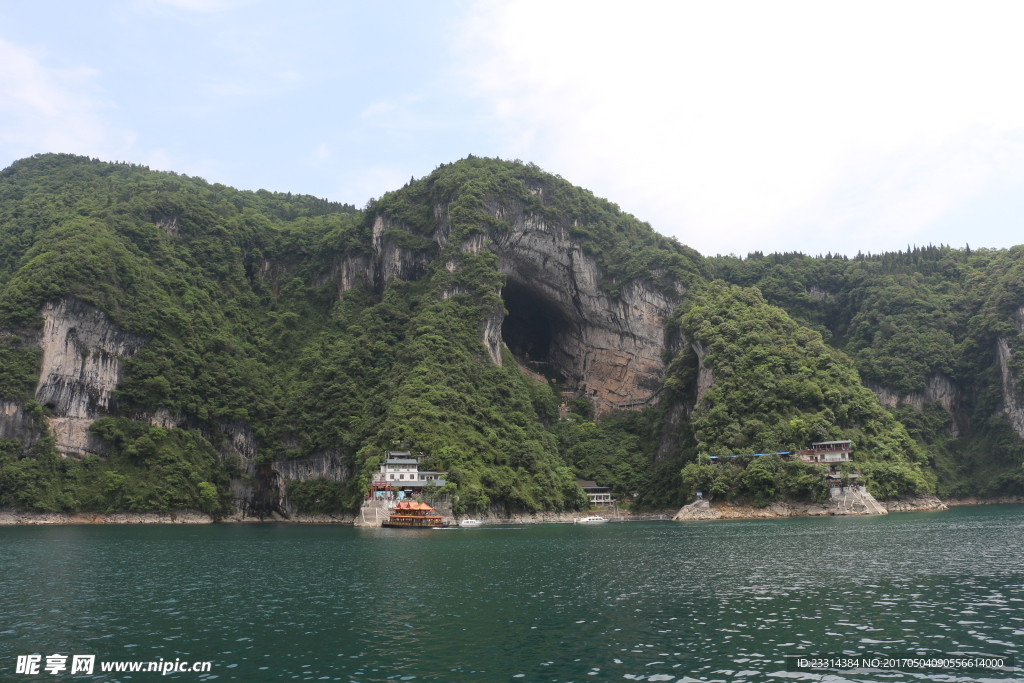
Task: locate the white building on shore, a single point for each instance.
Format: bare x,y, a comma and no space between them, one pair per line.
400,477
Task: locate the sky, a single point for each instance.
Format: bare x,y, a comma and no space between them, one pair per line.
734,126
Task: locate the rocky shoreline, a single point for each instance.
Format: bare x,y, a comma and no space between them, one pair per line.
9,517
1002,500
13,517
702,510
915,504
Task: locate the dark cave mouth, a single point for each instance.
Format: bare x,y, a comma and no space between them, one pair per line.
531,330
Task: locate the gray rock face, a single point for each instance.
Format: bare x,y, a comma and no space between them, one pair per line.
262,490
705,377
818,293
318,465
266,494
15,424
938,388
82,364
609,347
1013,409
841,503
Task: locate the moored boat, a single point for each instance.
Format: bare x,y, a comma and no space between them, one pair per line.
466,523
592,519
412,515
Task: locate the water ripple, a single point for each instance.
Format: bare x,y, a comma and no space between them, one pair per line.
655,602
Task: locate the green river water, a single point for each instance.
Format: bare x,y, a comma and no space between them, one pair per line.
658,601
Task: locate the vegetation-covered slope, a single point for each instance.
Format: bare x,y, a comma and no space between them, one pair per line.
265,316
777,387
924,327
236,294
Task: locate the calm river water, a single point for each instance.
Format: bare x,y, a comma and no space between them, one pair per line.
713,601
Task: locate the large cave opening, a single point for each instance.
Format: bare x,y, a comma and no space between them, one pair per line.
533,329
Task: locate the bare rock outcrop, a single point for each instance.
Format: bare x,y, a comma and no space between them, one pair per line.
348,272
1011,406
261,490
847,502
695,511
993,500
608,346
914,504
317,465
392,260
705,377
1018,319
938,389
816,292
83,352
16,424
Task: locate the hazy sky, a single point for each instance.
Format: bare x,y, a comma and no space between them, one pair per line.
735,126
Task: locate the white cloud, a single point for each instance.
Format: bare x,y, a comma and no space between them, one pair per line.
46,109
755,125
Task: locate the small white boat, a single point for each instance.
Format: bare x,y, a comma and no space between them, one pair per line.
593,519
470,523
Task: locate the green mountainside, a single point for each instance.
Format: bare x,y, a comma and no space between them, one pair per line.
271,337
925,324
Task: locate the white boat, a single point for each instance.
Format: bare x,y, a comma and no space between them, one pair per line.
593,519
470,523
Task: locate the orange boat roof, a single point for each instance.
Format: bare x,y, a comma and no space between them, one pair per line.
412,505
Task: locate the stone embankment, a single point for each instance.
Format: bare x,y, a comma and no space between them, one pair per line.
374,513
8,517
700,510
12,517
1001,500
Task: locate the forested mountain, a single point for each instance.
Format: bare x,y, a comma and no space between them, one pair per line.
936,332
168,343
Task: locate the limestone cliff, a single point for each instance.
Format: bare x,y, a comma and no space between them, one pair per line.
16,424
83,353
1011,406
705,377
938,389
261,490
609,347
